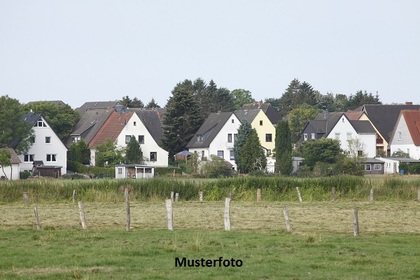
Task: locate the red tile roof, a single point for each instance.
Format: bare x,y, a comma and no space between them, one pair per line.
111,128
412,119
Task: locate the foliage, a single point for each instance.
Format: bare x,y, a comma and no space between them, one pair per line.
244,133
79,152
252,157
409,168
283,148
107,154
361,98
323,150
133,152
298,118
152,104
241,97
4,160
15,131
127,102
216,168
181,120
400,154
61,117
296,94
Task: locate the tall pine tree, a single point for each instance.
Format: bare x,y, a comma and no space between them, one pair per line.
283,148
182,118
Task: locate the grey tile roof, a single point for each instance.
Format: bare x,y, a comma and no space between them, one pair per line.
247,115
363,127
151,118
271,112
209,129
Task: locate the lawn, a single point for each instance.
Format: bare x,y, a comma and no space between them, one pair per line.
321,245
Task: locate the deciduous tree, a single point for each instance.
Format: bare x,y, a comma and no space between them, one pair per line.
298,118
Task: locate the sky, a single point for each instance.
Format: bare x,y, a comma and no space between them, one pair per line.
79,51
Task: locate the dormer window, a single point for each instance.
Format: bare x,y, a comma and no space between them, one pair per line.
200,138
40,123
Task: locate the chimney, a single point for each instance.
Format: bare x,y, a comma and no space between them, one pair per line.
408,103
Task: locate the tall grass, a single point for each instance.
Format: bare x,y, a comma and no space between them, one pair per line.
242,188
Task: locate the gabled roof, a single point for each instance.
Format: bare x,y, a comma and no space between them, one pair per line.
272,114
247,115
209,129
111,128
325,122
151,119
384,117
412,119
93,116
31,118
14,159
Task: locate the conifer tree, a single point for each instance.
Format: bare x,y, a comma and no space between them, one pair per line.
244,132
133,152
252,157
283,148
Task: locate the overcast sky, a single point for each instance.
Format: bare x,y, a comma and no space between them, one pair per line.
78,51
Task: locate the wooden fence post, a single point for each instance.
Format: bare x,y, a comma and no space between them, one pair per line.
356,221
227,213
200,196
258,195
176,197
286,218
25,198
169,214
172,196
371,195
127,209
333,194
74,196
418,195
82,215
299,194
38,225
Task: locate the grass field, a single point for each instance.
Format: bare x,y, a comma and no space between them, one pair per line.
321,245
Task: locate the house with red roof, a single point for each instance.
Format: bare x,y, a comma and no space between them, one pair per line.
406,134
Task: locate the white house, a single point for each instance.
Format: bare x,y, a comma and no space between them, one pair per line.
406,134
46,147
144,125
11,172
216,137
358,138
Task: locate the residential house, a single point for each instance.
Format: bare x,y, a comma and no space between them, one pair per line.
12,171
272,114
46,147
383,118
143,124
392,164
216,136
358,138
406,134
93,116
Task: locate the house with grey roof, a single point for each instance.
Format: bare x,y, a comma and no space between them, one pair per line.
12,171
216,136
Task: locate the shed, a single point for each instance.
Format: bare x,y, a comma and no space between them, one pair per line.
134,171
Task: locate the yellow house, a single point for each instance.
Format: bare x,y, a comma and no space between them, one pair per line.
265,129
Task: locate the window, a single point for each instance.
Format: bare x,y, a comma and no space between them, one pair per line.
40,123
140,139
32,139
48,139
233,120
377,166
268,137
359,153
127,139
153,156
28,158
261,122
200,138
305,137
220,154
120,170
399,135
51,157
312,135
367,167
134,123
230,138
231,154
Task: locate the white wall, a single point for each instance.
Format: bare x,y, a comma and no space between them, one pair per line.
12,172
402,141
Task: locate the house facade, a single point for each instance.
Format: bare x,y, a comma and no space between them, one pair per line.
216,136
12,171
358,138
46,147
406,135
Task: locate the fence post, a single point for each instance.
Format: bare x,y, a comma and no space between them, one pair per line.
127,209
25,198
176,197
200,196
333,194
356,221
82,215
227,213
169,214
299,194
286,218
418,195
371,195
258,195
172,196
74,196
38,225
